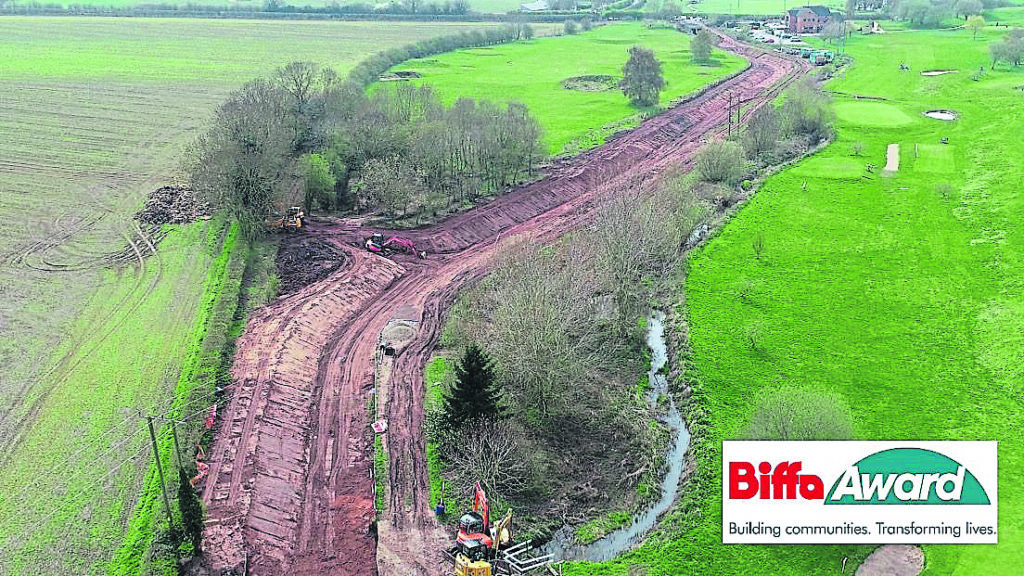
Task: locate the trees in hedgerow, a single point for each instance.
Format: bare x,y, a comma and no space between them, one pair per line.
807,111
701,47
389,183
642,79
319,182
240,162
1009,49
474,395
967,8
720,161
191,511
762,132
794,413
306,84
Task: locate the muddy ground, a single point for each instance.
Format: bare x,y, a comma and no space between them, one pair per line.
289,486
172,205
302,260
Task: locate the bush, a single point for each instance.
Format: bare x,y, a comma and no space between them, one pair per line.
570,27
807,111
720,161
793,413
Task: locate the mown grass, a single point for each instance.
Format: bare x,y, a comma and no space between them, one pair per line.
96,114
906,301
532,73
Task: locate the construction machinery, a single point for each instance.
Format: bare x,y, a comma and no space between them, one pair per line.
485,549
378,245
292,219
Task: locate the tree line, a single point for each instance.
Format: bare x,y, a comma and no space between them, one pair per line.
398,148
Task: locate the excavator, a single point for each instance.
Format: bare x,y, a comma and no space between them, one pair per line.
376,244
293,219
485,549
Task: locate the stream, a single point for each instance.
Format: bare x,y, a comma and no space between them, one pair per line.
563,544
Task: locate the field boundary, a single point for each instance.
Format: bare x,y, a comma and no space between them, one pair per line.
209,335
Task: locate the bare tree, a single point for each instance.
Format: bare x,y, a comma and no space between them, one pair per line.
239,164
489,451
761,132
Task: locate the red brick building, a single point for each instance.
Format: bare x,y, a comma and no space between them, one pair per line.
808,19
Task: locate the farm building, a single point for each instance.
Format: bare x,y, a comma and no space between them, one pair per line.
808,19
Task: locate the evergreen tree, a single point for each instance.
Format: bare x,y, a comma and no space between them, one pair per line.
641,77
191,511
474,394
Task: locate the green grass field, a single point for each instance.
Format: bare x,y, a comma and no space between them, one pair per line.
96,114
484,6
906,301
532,72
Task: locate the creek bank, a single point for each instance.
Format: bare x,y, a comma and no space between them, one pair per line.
563,543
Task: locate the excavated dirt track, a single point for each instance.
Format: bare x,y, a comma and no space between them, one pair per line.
289,489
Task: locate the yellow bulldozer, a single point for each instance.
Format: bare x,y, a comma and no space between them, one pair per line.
292,220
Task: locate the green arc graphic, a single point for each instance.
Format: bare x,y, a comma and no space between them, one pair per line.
880,466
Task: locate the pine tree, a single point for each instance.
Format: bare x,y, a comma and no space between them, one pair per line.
191,511
474,394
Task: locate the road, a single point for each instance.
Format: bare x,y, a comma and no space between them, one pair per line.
289,490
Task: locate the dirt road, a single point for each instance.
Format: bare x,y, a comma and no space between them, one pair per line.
289,489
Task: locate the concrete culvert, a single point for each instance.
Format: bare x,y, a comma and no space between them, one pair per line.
938,72
944,115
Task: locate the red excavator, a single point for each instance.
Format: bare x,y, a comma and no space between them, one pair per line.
376,243
483,549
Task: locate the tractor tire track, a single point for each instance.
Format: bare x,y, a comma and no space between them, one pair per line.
290,485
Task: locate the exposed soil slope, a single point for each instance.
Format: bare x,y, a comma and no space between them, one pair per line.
290,486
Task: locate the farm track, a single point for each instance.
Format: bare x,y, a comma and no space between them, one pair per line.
289,490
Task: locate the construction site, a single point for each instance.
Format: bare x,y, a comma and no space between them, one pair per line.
290,484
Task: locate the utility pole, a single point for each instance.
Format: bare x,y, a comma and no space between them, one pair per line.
177,448
729,110
160,471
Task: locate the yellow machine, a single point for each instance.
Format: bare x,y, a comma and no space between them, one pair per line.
292,220
466,567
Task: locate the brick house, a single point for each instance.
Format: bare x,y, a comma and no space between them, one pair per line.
808,19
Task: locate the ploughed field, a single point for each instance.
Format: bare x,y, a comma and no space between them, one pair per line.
96,114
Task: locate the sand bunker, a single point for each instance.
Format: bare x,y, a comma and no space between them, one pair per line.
590,83
938,72
892,159
945,115
398,76
893,560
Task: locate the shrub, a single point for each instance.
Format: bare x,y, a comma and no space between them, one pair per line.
794,413
720,161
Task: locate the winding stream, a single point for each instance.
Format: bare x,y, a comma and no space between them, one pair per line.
563,544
